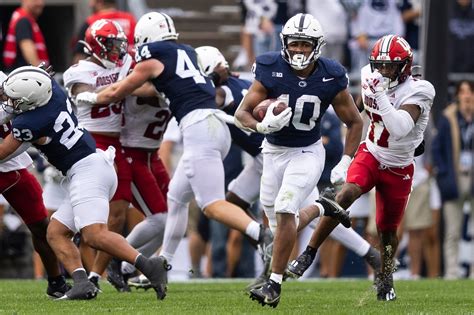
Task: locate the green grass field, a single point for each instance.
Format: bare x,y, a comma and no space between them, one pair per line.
315,297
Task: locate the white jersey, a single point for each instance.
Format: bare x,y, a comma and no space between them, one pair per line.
101,118
18,162
144,124
384,147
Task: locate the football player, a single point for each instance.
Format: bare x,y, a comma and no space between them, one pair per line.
398,106
293,153
23,192
44,118
173,70
107,63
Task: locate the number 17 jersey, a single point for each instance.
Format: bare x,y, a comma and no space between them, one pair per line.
181,81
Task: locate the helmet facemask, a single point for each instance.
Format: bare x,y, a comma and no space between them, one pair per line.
300,60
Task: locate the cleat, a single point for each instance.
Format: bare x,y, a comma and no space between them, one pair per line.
57,291
384,286
140,282
115,277
297,267
95,281
332,208
80,291
158,275
268,294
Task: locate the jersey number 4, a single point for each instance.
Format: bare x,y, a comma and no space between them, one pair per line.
186,69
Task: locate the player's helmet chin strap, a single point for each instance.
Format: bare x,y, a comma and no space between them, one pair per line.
300,61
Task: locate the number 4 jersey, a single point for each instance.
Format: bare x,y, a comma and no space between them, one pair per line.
181,81
384,147
308,97
66,143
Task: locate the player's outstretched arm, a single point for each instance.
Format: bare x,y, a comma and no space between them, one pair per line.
243,115
143,71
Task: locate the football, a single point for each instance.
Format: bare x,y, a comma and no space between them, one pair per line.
261,109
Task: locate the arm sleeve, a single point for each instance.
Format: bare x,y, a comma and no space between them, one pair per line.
398,122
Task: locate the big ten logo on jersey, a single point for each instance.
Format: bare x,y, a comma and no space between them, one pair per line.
156,129
101,111
5,130
277,74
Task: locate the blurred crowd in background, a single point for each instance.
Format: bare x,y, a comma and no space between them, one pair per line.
438,227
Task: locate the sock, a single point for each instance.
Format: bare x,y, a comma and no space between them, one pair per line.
373,259
321,209
79,275
276,278
141,262
311,251
93,274
56,281
253,230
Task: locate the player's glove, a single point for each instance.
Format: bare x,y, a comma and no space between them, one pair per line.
273,123
89,98
339,172
375,84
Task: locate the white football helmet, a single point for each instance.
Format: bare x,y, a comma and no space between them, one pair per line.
27,88
154,27
209,57
302,27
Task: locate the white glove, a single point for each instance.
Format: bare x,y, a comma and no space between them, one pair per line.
89,98
339,172
272,123
375,84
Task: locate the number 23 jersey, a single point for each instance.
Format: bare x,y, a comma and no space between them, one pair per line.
387,149
308,97
66,142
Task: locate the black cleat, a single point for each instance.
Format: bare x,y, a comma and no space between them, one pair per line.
158,275
55,291
81,291
297,267
384,285
268,294
115,277
140,282
332,208
95,281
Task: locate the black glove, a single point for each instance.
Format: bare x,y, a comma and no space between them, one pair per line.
420,149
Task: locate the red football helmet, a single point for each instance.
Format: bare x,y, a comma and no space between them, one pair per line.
106,41
393,57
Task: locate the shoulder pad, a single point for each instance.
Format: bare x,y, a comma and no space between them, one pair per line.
424,88
333,67
268,58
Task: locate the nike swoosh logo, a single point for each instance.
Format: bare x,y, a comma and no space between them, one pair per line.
327,80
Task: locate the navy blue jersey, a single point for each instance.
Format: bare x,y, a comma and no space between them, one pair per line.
67,143
250,143
308,98
181,80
